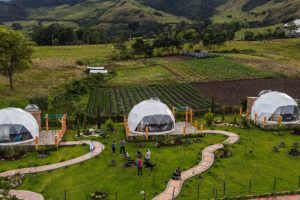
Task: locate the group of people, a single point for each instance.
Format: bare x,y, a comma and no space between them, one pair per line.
139,161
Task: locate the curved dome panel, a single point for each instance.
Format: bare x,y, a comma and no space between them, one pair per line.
17,125
152,114
274,104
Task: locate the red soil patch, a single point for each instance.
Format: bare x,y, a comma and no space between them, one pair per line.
232,92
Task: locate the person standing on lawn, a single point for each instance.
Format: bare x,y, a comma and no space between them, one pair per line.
140,167
148,156
122,147
113,147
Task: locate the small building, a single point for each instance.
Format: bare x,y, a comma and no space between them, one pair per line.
274,107
17,126
96,70
151,114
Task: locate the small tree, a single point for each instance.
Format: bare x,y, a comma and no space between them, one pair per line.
109,125
209,118
15,53
142,48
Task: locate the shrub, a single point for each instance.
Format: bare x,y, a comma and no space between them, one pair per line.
209,118
79,62
109,125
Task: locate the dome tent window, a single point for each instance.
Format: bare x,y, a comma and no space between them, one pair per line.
275,106
17,126
151,114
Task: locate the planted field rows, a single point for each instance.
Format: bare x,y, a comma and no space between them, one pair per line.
119,101
214,69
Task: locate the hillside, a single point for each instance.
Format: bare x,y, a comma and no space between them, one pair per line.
258,12
107,13
88,12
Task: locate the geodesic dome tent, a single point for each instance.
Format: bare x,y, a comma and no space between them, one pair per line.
272,105
17,126
152,114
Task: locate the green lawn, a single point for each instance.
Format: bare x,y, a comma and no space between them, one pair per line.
261,168
96,174
31,159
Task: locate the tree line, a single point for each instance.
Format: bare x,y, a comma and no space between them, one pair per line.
171,42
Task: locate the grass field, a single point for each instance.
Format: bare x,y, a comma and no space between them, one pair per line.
119,101
53,67
96,174
285,50
261,168
31,159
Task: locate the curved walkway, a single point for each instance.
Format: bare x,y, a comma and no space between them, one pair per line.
99,147
26,195
174,186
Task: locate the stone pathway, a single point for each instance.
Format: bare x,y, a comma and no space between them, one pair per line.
26,195
99,147
174,186
287,197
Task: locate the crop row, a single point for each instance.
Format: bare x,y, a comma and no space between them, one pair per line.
119,101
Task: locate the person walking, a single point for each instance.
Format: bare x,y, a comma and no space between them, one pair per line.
140,167
92,147
113,147
122,147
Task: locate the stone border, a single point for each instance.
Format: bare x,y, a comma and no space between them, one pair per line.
174,186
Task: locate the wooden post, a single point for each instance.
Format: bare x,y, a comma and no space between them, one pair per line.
36,141
196,125
56,141
174,111
47,123
201,128
241,111
191,117
265,121
255,118
279,120
184,131
147,132
186,117
247,114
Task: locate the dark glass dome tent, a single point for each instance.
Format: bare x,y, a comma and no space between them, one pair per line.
17,126
152,114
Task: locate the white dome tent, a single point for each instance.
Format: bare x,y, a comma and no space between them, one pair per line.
17,127
152,114
273,105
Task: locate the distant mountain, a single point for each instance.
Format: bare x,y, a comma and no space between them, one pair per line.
106,13
193,9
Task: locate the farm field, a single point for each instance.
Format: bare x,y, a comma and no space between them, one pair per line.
285,50
119,101
179,69
232,92
210,69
